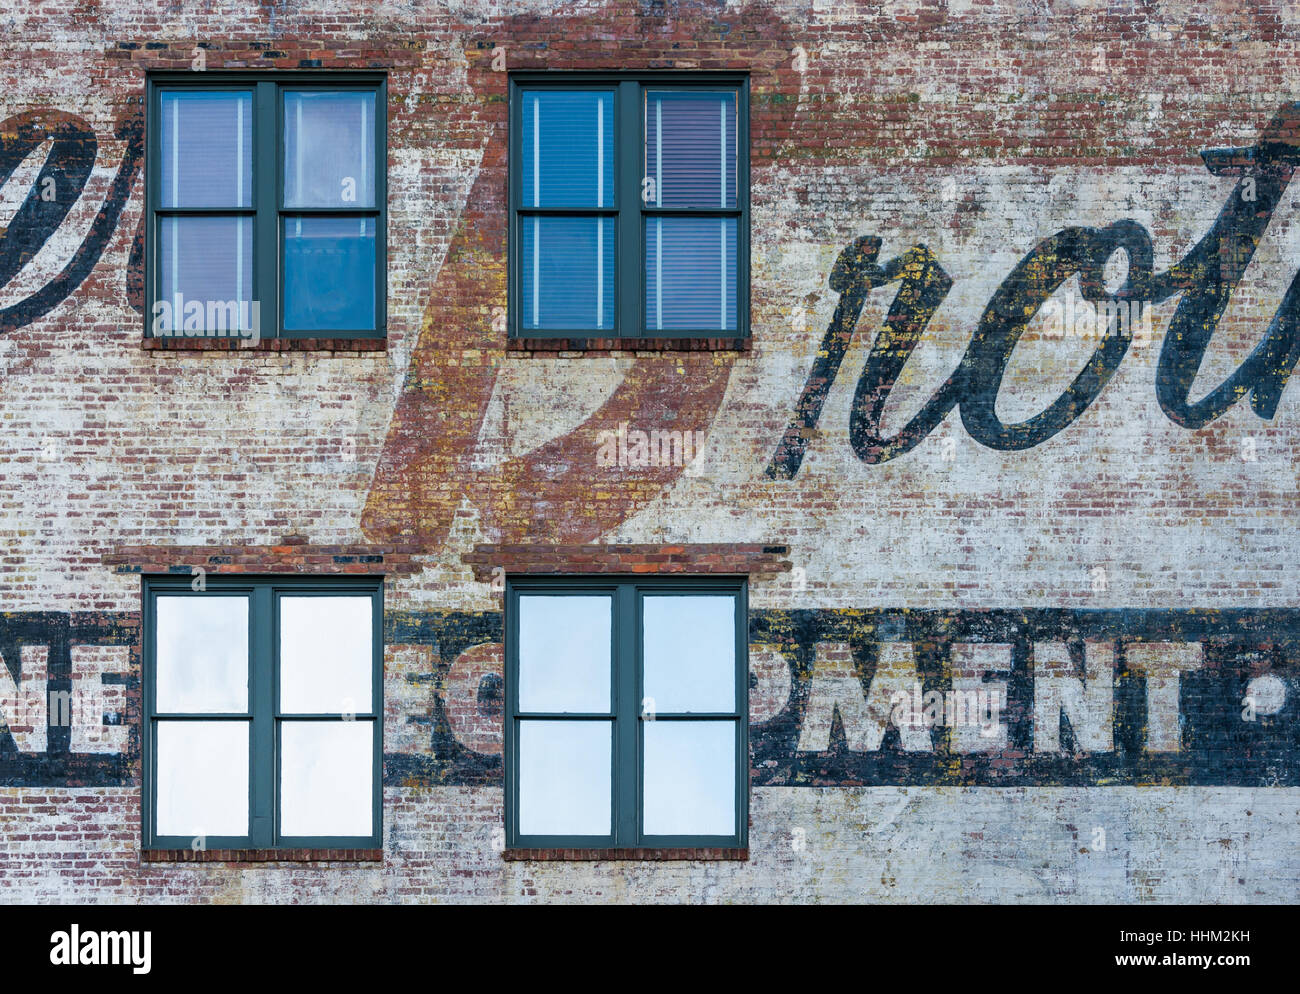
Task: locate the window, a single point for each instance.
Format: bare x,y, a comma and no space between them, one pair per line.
266,206
630,206
262,700
627,705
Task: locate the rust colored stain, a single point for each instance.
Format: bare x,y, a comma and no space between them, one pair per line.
557,492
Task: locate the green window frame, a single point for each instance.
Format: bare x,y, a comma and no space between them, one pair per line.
631,216
264,714
266,206
630,714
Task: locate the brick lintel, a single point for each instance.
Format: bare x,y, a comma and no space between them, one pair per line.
721,559
289,557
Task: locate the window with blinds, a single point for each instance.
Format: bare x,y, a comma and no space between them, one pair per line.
629,206
266,200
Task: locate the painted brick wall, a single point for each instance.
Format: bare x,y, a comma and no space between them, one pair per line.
960,134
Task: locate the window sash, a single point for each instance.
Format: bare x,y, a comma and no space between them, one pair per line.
267,207
264,716
628,720
632,215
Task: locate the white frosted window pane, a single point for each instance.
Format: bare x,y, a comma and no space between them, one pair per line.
690,653
325,777
202,777
202,655
690,778
329,149
564,777
326,655
564,646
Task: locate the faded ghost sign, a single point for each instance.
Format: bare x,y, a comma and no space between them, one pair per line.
840,697
688,389
858,697
59,185
1206,278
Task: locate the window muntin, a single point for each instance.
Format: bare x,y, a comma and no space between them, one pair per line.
263,699
266,206
629,206
594,759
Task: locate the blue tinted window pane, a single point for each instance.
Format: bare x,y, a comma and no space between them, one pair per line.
206,149
568,273
329,274
690,147
205,274
690,277
567,149
329,149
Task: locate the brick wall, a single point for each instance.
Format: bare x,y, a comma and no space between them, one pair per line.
961,135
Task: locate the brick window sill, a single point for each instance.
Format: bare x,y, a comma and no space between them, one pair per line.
547,346
645,855
262,856
218,345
